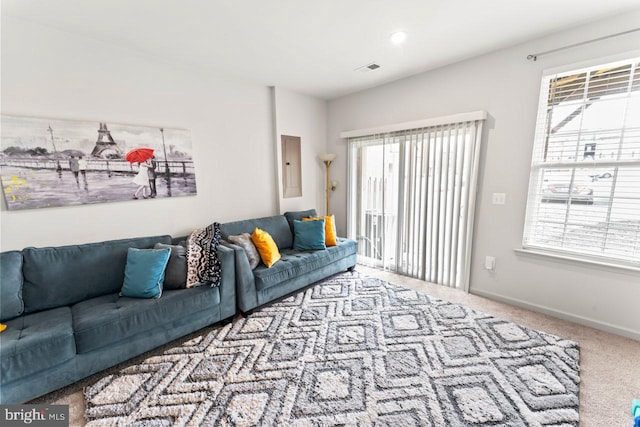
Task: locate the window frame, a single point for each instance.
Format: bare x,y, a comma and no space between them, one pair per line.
539,164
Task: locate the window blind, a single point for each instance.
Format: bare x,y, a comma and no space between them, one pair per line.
584,191
412,200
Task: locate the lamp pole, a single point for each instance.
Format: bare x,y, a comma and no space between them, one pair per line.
167,175
327,158
327,164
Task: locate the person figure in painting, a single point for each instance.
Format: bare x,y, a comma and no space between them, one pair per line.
152,176
75,167
82,165
142,179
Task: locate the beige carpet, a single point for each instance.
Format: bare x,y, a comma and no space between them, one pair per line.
609,364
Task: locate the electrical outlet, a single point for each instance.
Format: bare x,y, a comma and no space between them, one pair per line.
499,198
490,263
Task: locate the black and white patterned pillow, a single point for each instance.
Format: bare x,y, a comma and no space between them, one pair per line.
203,265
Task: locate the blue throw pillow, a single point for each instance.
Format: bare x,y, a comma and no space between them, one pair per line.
308,235
144,272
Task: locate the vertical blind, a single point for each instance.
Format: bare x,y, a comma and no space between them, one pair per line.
584,191
412,197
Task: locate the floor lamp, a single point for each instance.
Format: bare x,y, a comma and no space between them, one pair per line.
327,158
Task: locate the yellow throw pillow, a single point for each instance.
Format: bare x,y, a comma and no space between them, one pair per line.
267,248
330,235
2,327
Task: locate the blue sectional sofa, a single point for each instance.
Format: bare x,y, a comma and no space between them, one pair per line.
294,271
65,319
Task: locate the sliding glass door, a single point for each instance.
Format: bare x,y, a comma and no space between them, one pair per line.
412,197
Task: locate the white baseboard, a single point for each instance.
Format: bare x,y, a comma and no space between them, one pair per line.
604,326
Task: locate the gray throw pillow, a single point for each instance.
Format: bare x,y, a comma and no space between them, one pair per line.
175,276
244,241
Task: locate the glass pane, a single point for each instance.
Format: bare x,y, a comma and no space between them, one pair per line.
603,114
628,185
599,216
608,81
601,145
563,117
585,239
636,78
562,148
377,198
588,134
556,184
630,145
622,240
632,119
567,88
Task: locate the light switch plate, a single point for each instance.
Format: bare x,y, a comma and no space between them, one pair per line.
490,263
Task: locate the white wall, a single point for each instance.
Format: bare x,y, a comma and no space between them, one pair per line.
47,73
305,117
505,85
52,74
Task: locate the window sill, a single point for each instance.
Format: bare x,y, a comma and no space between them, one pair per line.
576,259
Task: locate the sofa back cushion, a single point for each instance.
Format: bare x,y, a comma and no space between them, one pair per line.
277,226
299,216
59,276
11,304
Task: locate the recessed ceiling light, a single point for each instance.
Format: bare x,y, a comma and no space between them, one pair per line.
398,37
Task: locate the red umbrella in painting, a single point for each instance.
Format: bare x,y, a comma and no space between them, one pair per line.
139,155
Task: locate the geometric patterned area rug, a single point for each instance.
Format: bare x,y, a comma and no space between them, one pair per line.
351,351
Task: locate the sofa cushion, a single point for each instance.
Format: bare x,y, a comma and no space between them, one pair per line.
298,216
144,272
295,263
105,320
277,226
55,277
36,342
11,304
175,276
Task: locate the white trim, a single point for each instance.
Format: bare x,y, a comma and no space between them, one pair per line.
566,256
418,124
580,66
584,164
471,212
351,231
586,321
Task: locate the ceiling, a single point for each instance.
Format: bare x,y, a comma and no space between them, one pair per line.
313,46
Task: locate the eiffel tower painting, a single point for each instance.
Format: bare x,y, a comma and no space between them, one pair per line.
47,162
105,145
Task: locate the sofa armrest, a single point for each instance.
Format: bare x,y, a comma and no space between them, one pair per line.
227,282
246,295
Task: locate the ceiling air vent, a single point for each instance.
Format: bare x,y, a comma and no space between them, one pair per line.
368,67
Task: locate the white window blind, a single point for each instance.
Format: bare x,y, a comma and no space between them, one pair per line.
584,191
412,200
